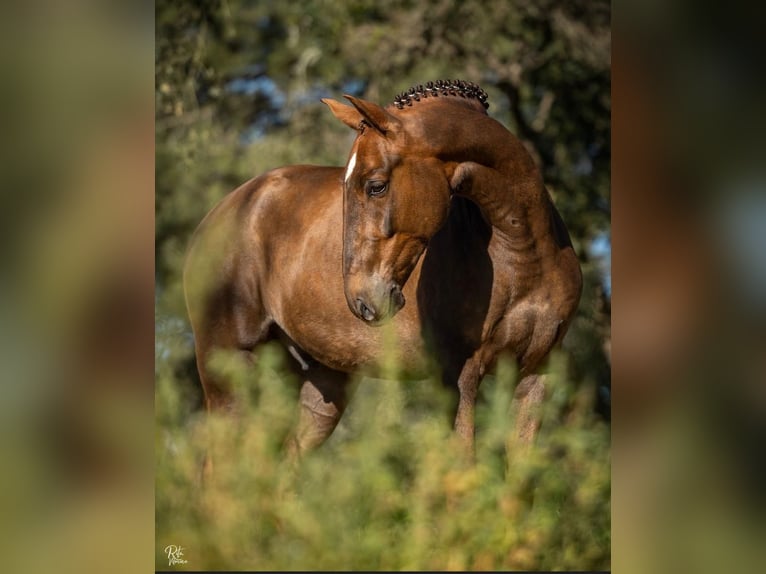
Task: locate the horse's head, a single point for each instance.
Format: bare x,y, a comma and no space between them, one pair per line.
395,199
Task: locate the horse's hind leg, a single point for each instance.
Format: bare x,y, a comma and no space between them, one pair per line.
219,397
323,398
212,337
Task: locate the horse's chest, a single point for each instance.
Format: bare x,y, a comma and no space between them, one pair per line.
346,344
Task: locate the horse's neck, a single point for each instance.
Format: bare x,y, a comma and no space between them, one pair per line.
498,174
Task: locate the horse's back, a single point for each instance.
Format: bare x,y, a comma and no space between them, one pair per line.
278,192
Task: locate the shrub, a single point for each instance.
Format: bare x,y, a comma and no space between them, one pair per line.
390,489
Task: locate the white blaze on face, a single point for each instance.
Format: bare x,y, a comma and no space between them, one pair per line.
350,168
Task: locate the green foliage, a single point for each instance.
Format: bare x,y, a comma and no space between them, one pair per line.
390,490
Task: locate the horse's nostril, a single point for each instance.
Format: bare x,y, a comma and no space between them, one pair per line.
366,313
397,298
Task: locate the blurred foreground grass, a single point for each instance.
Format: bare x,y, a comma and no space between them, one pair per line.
389,490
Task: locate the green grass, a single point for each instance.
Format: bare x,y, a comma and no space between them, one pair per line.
390,490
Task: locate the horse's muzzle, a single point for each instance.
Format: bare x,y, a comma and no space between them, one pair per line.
378,305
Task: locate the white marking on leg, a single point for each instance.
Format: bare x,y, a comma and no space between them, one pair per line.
350,168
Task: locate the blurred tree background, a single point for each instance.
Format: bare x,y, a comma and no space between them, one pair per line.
238,88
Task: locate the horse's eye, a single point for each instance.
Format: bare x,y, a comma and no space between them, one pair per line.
376,188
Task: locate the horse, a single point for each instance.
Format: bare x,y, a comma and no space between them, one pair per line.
439,226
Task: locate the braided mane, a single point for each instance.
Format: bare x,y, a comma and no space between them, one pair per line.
442,88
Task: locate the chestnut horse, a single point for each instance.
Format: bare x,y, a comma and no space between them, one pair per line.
439,225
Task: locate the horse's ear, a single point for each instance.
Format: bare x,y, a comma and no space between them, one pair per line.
346,114
374,115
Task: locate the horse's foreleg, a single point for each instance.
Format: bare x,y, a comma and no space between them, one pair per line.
323,399
527,399
468,387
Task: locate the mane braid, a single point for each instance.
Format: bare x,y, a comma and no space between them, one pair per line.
442,88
